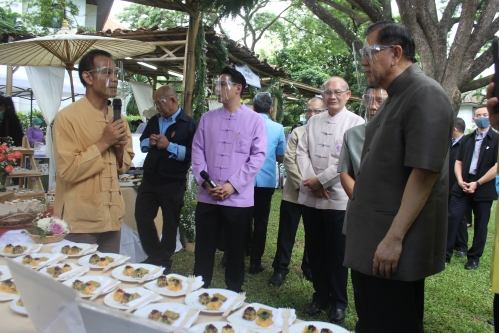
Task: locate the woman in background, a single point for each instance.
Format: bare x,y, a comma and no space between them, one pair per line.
9,122
34,133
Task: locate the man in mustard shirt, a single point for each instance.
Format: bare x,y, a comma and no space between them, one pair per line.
90,150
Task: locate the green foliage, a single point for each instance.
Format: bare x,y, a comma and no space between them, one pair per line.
226,7
200,88
187,221
131,108
43,17
290,118
133,122
138,16
11,22
219,50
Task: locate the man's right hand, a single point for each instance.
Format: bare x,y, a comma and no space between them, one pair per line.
214,192
114,133
153,139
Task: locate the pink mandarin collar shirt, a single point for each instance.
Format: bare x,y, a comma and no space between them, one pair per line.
231,148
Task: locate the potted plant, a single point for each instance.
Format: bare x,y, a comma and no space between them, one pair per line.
48,229
187,222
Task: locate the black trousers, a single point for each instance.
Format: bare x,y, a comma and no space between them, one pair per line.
388,306
210,219
262,197
290,214
325,245
456,211
170,197
462,233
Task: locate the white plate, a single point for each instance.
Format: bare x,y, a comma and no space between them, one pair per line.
109,301
162,307
200,328
73,267
28,247
5,273
237,318
37,255
84,261
192,299
126,184
299,327
83,246
117,273
101,279
166,292
16,308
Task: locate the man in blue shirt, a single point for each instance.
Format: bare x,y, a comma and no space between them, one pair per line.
265,181
167,139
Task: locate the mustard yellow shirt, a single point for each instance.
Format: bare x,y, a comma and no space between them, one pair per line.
88,194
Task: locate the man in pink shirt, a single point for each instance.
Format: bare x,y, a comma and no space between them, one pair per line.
230,145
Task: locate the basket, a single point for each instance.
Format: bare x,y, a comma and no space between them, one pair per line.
46,239
17,220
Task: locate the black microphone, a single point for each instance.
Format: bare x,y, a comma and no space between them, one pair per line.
117,108
207,178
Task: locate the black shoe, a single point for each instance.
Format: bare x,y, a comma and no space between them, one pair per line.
447,260
255,269
460,254
471,264
337,316
308,276
277,279
491,322
224,259
315,308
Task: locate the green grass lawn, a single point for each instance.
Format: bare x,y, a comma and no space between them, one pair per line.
456,300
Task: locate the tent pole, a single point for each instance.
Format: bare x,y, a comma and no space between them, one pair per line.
8,88
190,64
31,113
71,82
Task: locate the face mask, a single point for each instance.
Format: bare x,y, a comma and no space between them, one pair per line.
482,122
37,126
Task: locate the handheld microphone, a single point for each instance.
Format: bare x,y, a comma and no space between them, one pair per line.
117,108
207,178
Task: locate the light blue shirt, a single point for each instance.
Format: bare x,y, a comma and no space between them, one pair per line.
275,147
475,156
177,151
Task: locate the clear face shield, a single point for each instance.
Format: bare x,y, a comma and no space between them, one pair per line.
370,56
108,76
372,100
222,85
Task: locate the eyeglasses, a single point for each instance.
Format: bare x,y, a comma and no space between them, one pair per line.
336,92
158,101
313,110
108,71
371,99
368,51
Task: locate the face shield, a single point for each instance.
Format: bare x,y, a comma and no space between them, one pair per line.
107,74
372,100
370,60
222,85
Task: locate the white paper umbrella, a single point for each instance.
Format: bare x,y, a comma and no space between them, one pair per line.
66,50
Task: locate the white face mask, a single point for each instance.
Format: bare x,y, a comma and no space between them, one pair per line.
36,126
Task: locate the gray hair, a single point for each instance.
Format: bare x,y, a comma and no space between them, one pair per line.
335,77
262,102
314,99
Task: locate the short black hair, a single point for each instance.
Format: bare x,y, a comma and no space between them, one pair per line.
87,62
394,33
236,77
372,86
459,124
6,100
262,102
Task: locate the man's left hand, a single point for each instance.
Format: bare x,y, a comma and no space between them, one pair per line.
226,191
162,142
313,183
387,256
470,188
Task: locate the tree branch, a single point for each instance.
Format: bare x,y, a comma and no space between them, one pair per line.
448,14
270,24
356,16
485,29
372,10
324,15
476,84
482,62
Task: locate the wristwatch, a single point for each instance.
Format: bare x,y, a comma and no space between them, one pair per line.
478,183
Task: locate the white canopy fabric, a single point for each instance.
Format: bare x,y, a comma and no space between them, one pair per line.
143,94
47,84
